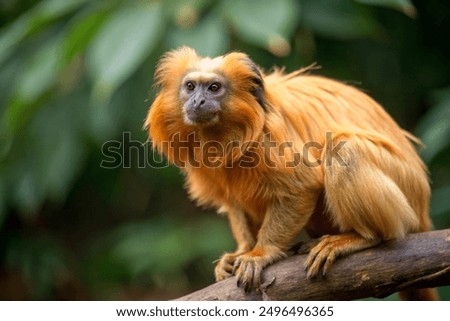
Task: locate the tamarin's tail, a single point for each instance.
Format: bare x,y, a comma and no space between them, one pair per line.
428,294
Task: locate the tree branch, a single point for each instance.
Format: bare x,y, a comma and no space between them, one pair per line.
420,260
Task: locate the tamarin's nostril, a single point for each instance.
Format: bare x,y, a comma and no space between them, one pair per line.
202,102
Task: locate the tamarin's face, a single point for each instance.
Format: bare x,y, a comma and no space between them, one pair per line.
202,95
221,97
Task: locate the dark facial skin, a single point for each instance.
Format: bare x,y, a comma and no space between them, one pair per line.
202,99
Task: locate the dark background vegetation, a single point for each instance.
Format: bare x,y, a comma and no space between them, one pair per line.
75,74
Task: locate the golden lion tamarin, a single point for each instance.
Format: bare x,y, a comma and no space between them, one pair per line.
279,153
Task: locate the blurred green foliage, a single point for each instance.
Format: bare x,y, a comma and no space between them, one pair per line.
75,74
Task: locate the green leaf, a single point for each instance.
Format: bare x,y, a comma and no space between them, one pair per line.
440,202
338,19
122,44
209,37
62,165
186,13
41,261
434,128
33,21
152,246
404,6
11,36
28,194
161,249
265,23
53,9
81,31
2,203
56,162
38,77
104,120
41,71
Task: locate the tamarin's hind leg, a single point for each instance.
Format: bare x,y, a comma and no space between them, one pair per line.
363,201
329,247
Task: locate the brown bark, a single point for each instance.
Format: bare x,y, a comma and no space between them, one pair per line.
418,261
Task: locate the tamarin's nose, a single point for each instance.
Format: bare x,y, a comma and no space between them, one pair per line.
200,102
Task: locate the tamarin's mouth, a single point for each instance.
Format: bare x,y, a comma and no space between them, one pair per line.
201,117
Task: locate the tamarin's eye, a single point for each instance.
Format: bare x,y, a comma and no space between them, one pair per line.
215,86
190,85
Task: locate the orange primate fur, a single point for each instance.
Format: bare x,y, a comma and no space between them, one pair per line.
377,190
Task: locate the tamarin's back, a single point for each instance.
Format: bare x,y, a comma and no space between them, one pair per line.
336,107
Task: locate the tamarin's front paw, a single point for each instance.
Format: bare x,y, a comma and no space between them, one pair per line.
248,267
225,266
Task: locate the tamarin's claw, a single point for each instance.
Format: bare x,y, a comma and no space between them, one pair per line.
248,267
323,255
248,271
225,266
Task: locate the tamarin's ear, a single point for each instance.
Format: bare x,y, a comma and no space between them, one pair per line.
258,90
173,65
247,74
